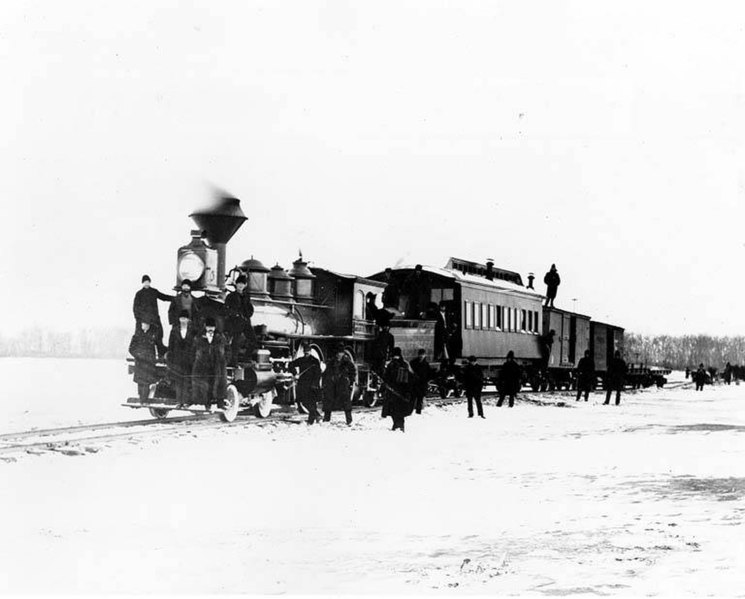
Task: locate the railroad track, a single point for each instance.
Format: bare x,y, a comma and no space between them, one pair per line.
69,439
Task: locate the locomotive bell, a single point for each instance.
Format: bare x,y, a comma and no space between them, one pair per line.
303,280
280,283
219,224
256,273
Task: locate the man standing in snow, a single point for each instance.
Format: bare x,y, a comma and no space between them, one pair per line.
510,380
473,383
616,375
421,369
338,382
699,377
308,383
585,375
398,379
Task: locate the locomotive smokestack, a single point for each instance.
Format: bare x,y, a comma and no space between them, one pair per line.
219,223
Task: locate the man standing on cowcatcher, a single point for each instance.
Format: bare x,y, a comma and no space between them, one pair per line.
338,380
145,308
209,374
398,378
308,381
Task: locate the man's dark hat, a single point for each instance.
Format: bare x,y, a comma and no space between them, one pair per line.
184,314
510,354
186,282
471,358
241,279
305,344
145,278
210,322
397,351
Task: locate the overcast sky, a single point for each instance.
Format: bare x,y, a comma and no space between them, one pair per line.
605,137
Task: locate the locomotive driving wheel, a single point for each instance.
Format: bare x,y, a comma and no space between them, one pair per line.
232,403
264,407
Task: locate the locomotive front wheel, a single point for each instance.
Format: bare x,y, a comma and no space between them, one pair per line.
159,413
264,407
232,403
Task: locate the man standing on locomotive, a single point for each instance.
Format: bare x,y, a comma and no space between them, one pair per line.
552,281
308,383
145,308
180,357
184,301
238,323
209,375
585,375
143,348
398,379
338,381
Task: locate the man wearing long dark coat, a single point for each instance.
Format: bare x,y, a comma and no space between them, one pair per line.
699,377
510,380
473,383
552,281
145,308
616,376
308,383
398,379
338,380
143,348
209,377
238,323
180,358
585,375
422,371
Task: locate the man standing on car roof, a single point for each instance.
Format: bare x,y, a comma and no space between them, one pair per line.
308,381
552,281
145,308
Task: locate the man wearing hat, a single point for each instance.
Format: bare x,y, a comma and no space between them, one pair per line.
338,380
145,308
398,379
183,301
209,377
510,380
142,347
180,357
307,381
473,382
238,322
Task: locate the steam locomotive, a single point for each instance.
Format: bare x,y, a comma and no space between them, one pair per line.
487,312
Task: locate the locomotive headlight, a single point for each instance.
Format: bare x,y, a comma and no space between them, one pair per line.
190,267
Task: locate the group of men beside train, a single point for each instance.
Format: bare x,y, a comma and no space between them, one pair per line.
197,354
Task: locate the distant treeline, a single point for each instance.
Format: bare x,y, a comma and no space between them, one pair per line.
686,351
87,343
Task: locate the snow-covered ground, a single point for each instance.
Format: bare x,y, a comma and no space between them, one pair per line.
644,498
48,392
